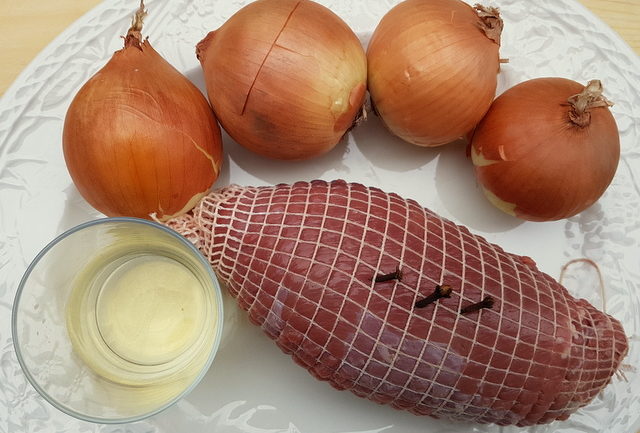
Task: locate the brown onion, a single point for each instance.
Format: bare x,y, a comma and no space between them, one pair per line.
433,67
139,138
286,78
547,148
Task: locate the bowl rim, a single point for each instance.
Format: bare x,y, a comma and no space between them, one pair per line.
102,420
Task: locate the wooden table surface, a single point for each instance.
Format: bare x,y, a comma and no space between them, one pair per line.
27,26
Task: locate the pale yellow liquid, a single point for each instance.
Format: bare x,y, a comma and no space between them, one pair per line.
143,322
150,310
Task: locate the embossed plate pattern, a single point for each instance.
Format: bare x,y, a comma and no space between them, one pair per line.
252,387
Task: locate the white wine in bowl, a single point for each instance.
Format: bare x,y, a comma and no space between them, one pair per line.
134,313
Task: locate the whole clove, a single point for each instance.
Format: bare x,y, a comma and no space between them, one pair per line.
485,303
395,275
443,291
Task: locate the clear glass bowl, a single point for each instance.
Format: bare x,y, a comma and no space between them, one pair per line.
117,319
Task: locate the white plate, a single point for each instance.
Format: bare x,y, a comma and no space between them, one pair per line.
253,387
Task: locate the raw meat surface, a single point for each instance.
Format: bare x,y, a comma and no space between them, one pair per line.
302,259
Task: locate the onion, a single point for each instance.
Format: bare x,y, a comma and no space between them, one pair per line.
547,148
139,138
433,67
286,78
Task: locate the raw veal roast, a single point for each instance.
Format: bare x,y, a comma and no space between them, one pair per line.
381,297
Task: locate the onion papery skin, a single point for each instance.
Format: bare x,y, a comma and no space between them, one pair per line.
432,72
534,162
286,78
140,139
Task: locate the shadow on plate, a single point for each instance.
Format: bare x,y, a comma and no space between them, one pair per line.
383,149
273,171
196,76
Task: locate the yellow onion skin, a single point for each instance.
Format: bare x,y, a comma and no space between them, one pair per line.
534,162
432,71
140,139
286,78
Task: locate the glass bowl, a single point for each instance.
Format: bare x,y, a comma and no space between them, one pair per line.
117,319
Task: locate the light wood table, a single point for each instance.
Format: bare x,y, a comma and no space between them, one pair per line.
29,25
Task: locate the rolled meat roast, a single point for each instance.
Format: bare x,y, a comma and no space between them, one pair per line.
381,297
